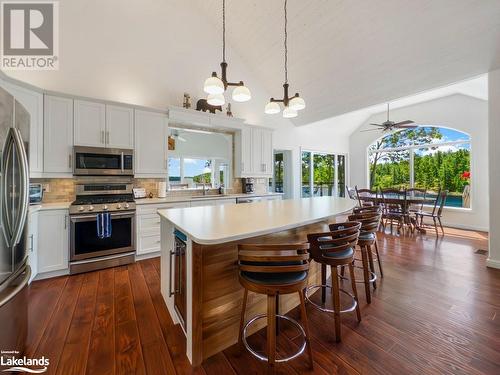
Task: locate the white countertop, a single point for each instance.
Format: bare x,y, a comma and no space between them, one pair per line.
173,199
218,224
50,206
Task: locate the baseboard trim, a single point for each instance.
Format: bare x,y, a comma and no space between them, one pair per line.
156,254
466,227
493,263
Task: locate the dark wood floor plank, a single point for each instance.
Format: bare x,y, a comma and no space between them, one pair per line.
101,359
54,337
43,298
156,355
128,351
218,365
74,356
173,335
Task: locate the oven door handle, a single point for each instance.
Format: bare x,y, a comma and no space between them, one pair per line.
114,214
170,293
122,162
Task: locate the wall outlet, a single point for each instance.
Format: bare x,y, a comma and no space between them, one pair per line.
46,188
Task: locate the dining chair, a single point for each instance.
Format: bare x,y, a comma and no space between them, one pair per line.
395,208
416,193
351,193
360,193
436,213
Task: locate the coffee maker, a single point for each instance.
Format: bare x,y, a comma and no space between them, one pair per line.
248,185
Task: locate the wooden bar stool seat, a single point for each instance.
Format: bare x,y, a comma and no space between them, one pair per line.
334,249
274,270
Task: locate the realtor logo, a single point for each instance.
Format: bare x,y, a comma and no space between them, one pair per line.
30,35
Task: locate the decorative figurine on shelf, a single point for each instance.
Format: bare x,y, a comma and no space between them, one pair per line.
202,105
228,111
186,103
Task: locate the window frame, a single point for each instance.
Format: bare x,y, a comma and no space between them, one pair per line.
412,148
215,173
311,169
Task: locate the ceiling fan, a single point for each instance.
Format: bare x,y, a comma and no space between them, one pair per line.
389,125
175,134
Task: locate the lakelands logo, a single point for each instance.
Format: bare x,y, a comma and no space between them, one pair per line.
30,35
30,365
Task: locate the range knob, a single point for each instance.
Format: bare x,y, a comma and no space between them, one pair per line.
105,208
91,208
81,208
118,206
127,205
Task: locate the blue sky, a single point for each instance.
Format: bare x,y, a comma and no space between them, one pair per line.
192,167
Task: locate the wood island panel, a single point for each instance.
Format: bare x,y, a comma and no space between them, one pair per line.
218,295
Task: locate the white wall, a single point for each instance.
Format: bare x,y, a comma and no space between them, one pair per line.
460,112
494,167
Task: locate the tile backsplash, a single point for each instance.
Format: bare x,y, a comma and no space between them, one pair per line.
63,189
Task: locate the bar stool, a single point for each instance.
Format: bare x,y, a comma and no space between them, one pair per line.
274,270
334,249
370,221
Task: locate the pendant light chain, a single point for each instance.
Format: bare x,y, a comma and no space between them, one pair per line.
286,47
224,30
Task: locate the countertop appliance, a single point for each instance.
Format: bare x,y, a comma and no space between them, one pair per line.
88,251
14,202
100,161
36,193
248,199
248,185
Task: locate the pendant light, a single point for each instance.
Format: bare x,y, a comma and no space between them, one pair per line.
292,104
215,86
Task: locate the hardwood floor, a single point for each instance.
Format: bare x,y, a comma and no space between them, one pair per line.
437,310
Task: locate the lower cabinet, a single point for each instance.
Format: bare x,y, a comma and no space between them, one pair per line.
53,240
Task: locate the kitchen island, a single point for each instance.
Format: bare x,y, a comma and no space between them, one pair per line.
199,272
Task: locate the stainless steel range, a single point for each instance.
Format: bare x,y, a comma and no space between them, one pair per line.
94,196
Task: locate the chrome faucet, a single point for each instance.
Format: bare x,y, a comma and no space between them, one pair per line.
204,190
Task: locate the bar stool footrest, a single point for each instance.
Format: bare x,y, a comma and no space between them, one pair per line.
372,279
263,357
323,308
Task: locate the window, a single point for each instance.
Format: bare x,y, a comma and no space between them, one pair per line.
426,157
323,174
189,173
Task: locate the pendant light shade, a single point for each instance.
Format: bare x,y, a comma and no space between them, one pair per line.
216,99
289,112
241,94
297,103
213,85
272,108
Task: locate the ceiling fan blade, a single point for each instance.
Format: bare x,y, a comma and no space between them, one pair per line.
376,125
406,126
404,122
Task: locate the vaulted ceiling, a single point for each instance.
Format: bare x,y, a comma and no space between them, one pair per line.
348,54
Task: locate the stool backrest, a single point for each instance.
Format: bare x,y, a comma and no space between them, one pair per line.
365,193
367,209
370,221
341,237
273,258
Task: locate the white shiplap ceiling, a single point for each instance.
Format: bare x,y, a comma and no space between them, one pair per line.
349,54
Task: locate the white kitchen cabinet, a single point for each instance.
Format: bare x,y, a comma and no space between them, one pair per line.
148,226
202,202
53,240
32,244
272,197
32,101
254,152
58,136
151,142
90,123
119,127
220,202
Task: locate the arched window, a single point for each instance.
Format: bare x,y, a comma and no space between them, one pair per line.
426,157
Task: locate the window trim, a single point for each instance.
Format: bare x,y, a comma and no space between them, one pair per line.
412,148
214,173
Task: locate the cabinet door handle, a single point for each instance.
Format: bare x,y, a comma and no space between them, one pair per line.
65,221
107,137
242,166
31,243
70,164
170,293
102,136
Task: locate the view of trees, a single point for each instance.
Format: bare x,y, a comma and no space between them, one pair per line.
434,166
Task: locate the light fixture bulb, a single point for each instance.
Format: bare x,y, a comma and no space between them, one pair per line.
241,94
289,112
213,85
297,103
272,108
216,99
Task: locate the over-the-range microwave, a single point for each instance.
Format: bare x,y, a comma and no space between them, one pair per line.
99,161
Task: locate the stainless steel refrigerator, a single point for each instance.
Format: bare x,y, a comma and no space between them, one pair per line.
14,204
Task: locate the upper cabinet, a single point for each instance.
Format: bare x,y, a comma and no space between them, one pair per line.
90,123
32,101
102,125
58,136
254,152
151,144
119,127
